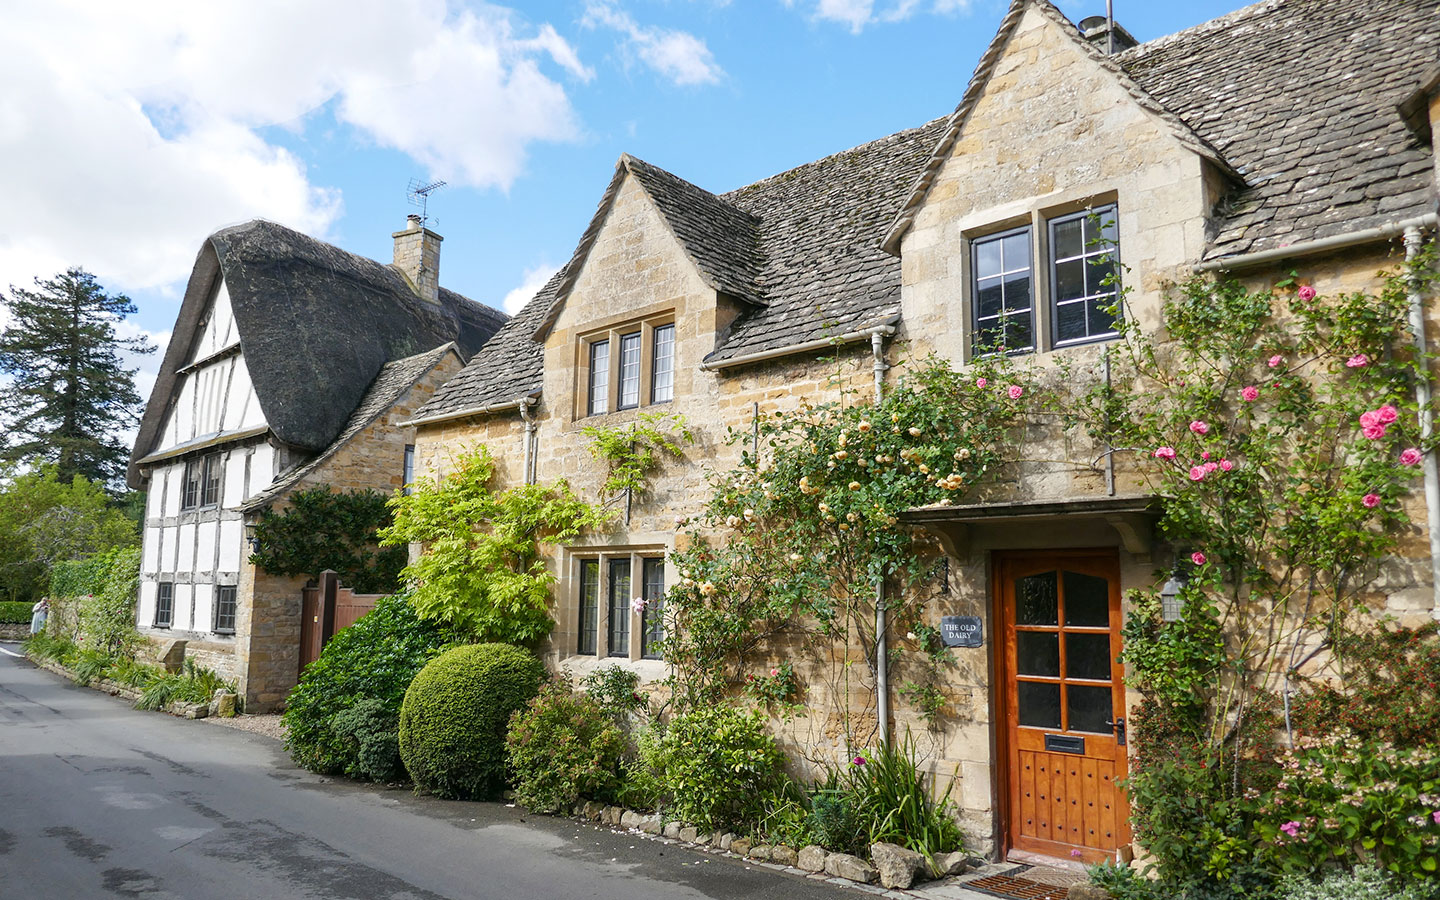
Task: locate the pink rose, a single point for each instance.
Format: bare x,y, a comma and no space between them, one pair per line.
1166,453
1386,414
1197,558
1374,431
1199,426
1409,456
981,382
1197,473
774,672
1016,392
1307,293
1358,361
1275,361
1205,454
1250,393
1226,465
1370,500
1210,467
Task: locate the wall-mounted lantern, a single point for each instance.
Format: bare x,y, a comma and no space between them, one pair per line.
1172,604
250,536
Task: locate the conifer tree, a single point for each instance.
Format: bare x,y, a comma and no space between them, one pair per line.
71,399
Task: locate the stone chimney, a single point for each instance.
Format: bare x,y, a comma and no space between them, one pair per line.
417,256
1098,30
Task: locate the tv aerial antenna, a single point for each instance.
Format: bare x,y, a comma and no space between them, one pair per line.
419,195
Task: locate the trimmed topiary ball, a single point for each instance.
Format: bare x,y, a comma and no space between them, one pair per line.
453,720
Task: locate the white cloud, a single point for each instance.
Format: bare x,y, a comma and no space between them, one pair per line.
857,14
677,55
529,286
130,131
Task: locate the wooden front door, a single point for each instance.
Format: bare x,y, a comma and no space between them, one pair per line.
1063,703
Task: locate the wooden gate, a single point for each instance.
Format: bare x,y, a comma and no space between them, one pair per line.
325,608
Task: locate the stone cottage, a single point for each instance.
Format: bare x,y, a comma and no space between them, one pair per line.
1291,132
292,364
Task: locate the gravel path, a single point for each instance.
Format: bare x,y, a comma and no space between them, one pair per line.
267,725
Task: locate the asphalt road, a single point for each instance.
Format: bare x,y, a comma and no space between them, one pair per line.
100,800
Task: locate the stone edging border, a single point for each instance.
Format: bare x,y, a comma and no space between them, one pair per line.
114,688
896,873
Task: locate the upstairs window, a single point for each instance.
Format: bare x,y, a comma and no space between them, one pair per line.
1078,257
629,371
643,366
201,485
662,372
225,609
164,604
210,480
1082,250
1004,298
599,377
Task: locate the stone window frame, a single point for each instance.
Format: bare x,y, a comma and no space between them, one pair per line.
225,621
638,626
612,336
164,591
1037,221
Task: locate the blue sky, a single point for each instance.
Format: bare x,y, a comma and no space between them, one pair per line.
129,133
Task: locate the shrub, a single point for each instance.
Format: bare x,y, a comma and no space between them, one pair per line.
714,766
15,612
563,746
454,716
1351,802
369,731
1362,883
834,822
1392,690
135,674
617,690
374,659
107,613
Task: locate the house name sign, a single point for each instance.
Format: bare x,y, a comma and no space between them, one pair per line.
962,631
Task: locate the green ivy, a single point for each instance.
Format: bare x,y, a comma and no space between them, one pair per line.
325,529
482,572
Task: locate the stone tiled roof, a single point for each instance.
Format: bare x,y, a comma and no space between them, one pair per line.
820,228
507,368
1293,99
388,387
1300,97
723,240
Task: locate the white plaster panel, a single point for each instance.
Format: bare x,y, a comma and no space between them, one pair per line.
234,490
262,468
219,328
242,408
150,557
172,475
145,607
184,607
205,547
232,540
185,545
169,548
202,618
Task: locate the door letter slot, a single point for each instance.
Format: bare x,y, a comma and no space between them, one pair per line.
1061,743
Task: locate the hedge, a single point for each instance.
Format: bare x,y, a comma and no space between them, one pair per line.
15,612
455,714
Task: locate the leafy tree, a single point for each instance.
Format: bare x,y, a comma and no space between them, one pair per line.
72,397
45,520
482,571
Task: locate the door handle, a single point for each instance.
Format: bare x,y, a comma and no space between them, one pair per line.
1119,726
